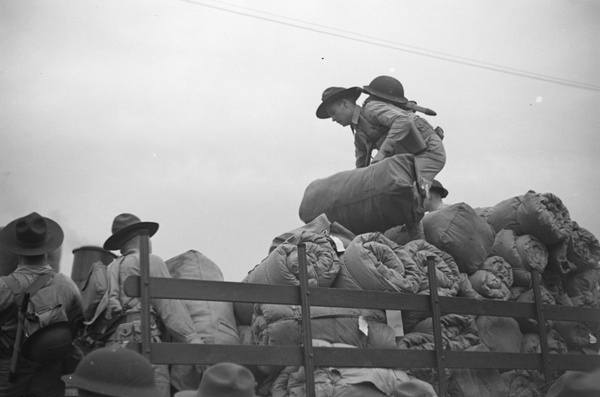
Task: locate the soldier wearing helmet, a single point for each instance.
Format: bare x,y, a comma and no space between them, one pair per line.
113,372
386,122
34,368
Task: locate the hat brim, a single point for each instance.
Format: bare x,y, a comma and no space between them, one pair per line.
443,192
399,100
30,342
102,387
186,393
9,243
115,241
350,93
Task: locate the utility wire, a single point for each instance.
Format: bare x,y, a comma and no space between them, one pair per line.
249,12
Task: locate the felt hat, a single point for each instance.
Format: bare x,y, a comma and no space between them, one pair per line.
124,227
114,371
388,88
31,235
436,185
334,93
224,380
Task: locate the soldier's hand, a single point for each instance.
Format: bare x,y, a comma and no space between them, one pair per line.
378,157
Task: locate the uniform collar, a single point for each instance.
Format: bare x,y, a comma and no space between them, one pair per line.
355,115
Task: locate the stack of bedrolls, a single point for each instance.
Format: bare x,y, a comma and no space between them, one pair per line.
354,240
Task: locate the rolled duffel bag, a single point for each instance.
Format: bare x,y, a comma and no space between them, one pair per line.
281,267
213,321
459,231
542,215
488,285
583,249
524,254
319,225
369,199
373,262
501,269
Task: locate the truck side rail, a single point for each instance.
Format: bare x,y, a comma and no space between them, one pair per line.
308,356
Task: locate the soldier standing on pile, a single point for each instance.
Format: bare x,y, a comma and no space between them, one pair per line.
34,368
171,313
385,122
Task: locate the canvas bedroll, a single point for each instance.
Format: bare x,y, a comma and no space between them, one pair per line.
370,199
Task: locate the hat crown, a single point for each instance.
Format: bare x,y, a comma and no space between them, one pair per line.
227,380
31,230
123,220
329,92
386,87
115,371
31,235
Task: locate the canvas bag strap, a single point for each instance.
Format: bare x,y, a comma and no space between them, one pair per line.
38,284
16,289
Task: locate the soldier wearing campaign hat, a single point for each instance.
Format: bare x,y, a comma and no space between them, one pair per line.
126,237
34,368
386,122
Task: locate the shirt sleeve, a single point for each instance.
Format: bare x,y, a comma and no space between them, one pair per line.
71,297
360,153
381,113
6,296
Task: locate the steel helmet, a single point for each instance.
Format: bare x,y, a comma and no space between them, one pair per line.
386,87
114,371
51,343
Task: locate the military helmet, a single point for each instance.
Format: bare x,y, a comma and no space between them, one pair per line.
51,343
388,88
114,371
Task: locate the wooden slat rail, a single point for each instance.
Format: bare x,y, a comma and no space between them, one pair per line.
307,355
224,291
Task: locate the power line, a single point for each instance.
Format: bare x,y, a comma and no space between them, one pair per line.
296,23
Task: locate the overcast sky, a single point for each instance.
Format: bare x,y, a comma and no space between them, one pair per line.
200,115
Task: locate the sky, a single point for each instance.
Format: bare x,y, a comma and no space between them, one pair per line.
200,115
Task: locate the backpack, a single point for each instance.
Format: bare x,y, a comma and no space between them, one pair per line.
94,301
94,292
42,309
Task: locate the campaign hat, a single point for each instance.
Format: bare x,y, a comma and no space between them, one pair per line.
124,227
332,94
31,235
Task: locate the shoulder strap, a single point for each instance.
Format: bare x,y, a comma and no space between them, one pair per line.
37,284
16,289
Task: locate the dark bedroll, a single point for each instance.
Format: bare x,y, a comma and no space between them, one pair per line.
308,356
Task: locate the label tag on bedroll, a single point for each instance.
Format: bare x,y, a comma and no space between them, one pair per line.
363,326
339,246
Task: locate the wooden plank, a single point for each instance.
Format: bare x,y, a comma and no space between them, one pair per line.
569,313
486,307
225,291
220,291
574,362
183,353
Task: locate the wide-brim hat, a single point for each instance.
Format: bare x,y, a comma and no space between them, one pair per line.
224,380
51,343
436,185
31,235
387,88
334,93
124,227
